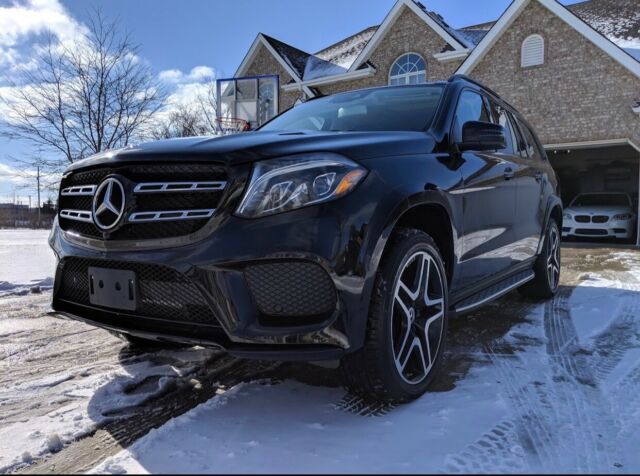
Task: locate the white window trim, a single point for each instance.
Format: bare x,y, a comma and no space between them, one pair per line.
528,62
408,75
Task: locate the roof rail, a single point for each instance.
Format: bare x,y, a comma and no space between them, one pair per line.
462,77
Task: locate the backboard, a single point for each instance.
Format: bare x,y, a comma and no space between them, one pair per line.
253,99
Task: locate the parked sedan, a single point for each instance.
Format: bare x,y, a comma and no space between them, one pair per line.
600,214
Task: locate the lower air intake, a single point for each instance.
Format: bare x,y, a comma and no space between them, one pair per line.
163,293
292,288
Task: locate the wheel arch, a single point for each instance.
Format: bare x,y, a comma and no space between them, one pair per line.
554,210
431,215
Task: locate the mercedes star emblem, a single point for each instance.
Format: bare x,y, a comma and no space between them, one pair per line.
108,204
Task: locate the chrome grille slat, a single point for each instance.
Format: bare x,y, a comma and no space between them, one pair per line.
162,187
79,190
77,215
170,215
164,200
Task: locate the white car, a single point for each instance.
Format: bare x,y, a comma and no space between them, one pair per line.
600,215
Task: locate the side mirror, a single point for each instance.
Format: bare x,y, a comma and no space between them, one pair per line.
478,135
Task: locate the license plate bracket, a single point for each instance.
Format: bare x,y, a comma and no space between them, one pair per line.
114,288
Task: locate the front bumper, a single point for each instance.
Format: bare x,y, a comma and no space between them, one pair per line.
612,229
337,239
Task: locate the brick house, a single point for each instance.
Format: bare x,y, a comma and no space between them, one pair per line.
573,71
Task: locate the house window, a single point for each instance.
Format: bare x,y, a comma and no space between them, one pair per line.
532,51
410,68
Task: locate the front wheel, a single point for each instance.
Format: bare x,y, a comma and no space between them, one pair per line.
547,268
407,323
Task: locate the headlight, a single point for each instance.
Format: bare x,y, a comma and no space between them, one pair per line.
567,216
280,185
623,216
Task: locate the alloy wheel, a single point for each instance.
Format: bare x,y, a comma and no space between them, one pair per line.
553,257
417,317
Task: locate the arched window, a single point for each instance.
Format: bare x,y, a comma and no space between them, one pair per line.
409,68
532,51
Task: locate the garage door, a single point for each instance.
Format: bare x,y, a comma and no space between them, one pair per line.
600,169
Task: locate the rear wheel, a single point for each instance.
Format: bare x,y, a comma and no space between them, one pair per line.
547,268
407,323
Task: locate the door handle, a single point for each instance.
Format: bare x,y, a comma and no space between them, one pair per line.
538,176
508,173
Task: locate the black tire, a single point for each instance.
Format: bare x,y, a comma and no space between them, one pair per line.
546,281
372,372
142,343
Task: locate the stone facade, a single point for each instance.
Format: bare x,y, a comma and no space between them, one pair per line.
264,64
408,34
579,94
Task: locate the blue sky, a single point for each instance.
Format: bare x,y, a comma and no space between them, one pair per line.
211,36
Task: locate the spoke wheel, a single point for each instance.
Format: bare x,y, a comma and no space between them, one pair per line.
546,281
407,323
417,316
553,257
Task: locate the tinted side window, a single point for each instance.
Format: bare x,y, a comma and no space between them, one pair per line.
471,107
531,145
500,116
520,144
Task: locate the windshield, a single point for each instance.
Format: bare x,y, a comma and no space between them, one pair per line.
601,199
405,108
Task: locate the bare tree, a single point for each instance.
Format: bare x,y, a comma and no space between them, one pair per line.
94,95
186,120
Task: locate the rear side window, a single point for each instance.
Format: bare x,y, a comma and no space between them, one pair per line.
471,107
500,116
532,147
520,142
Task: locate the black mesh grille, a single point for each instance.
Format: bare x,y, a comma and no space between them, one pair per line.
148,201
600,219
163,293
292,288
591,231
583,219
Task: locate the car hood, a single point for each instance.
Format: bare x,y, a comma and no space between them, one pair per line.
253,146
599,210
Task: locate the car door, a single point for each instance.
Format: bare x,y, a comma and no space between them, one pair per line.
488,200
530,177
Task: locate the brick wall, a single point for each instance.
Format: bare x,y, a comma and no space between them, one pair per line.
579,94
408,34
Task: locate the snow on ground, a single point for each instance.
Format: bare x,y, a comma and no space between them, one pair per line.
527,387
25,260
558,393
60,380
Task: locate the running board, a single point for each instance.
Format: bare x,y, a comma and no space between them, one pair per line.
495,291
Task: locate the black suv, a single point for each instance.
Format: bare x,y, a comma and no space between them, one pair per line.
349,228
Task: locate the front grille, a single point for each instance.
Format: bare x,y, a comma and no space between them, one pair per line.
163,293
592,232
291,288
600,219
180,199
583,218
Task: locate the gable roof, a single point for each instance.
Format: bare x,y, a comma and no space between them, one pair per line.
586,30
295,57
277,49
344,52
618,20
434,21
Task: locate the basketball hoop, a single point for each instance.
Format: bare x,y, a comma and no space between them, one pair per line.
232,125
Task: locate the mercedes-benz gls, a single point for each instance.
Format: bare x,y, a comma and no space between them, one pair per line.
349,228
